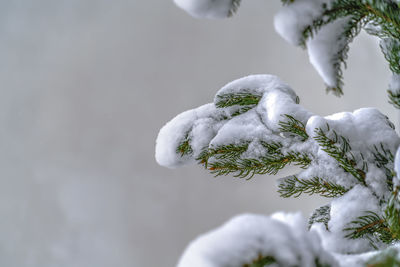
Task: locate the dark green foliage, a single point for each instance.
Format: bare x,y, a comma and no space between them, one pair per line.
244,100
320,215
391,50
184,147
226,152
234,7
387,258
241,99
293,126
370,226
261,261
226,161
392,214
384,159
339,148
292,186
287,2
394,98
379,17
241,110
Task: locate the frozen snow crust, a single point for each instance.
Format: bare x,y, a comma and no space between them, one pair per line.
244,128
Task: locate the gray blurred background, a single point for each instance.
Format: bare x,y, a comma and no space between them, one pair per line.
85,87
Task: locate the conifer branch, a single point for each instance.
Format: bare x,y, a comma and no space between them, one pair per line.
293,126
320,215
338,147
224,152
369,226
394,98
292,186
244,100
392,214
261,261
226,159
237,98
388,257
234,7
384,159
184,147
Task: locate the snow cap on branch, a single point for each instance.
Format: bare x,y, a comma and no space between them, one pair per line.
293,18
211,9
243,110
282,239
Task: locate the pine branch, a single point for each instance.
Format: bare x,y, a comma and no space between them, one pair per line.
379,17
392,214
287,2
234,7
338,147
184,147
394,98
369,226
384,159
237,98
224,160
320,215
224,152
261,261
292,186
243,100
386,258
293,126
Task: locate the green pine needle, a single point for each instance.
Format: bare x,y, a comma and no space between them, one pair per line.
339,148
394,98
234,7
184,147
240,98
369,226
292,186
320,215
293,126
261,261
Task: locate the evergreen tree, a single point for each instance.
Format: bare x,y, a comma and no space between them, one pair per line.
257,126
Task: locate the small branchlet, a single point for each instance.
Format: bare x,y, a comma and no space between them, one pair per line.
339,148
184,147
243,100
224,152
384,159
293,126
320,215
261,261
388,257
369,226
239,98
292,186
392,214
227,159
234,7
394,98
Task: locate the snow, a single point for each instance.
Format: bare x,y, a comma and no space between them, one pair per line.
239,241
344,210
292,19
325,49
207,124
364,128
211,9
246,237
394,84
397,167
